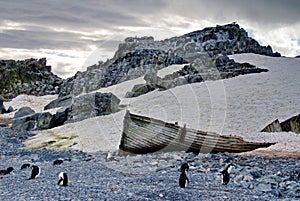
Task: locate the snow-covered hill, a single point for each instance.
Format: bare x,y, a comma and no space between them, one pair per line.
242,106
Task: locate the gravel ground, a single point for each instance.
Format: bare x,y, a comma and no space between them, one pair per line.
143,177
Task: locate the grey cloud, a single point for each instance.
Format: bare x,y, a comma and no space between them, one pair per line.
84,15
34,39
262,12
115,16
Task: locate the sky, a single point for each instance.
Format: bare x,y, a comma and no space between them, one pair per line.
75,34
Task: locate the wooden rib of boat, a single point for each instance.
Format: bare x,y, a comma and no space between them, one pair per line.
143,135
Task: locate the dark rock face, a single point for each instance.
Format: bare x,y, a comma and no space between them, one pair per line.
30,76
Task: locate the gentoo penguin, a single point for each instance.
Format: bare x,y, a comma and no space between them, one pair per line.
225,174
7,171
183,179
36,170
63,179
58,162
24,166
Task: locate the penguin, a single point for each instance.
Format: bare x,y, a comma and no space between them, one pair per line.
7,171
63,179
58,162
226,174
36,170
25,166
183,179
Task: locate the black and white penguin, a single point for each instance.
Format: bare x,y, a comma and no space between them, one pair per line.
35,172
183,179
7,171
62,179
58,162
226,174
25,166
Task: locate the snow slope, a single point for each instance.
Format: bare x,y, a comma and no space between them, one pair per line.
242,106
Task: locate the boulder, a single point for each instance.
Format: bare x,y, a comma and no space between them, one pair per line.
139,89
166,84
24,123
151,77
60,102
43,120
60,117
106,103
24,111
92,105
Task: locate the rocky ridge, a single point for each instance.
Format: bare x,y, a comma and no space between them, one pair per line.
29,76
136,56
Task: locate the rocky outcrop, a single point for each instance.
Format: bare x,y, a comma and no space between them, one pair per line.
129,66
229,39
29,76
136,56
82,107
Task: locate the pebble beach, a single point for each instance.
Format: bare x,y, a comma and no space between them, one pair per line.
107,176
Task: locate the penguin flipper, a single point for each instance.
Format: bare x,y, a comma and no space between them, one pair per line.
59,181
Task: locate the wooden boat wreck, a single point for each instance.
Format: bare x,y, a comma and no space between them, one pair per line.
143,135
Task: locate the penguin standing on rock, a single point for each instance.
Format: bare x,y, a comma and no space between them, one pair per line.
63,179
226,174
183,179
35,172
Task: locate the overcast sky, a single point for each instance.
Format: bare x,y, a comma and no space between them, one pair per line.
73,34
